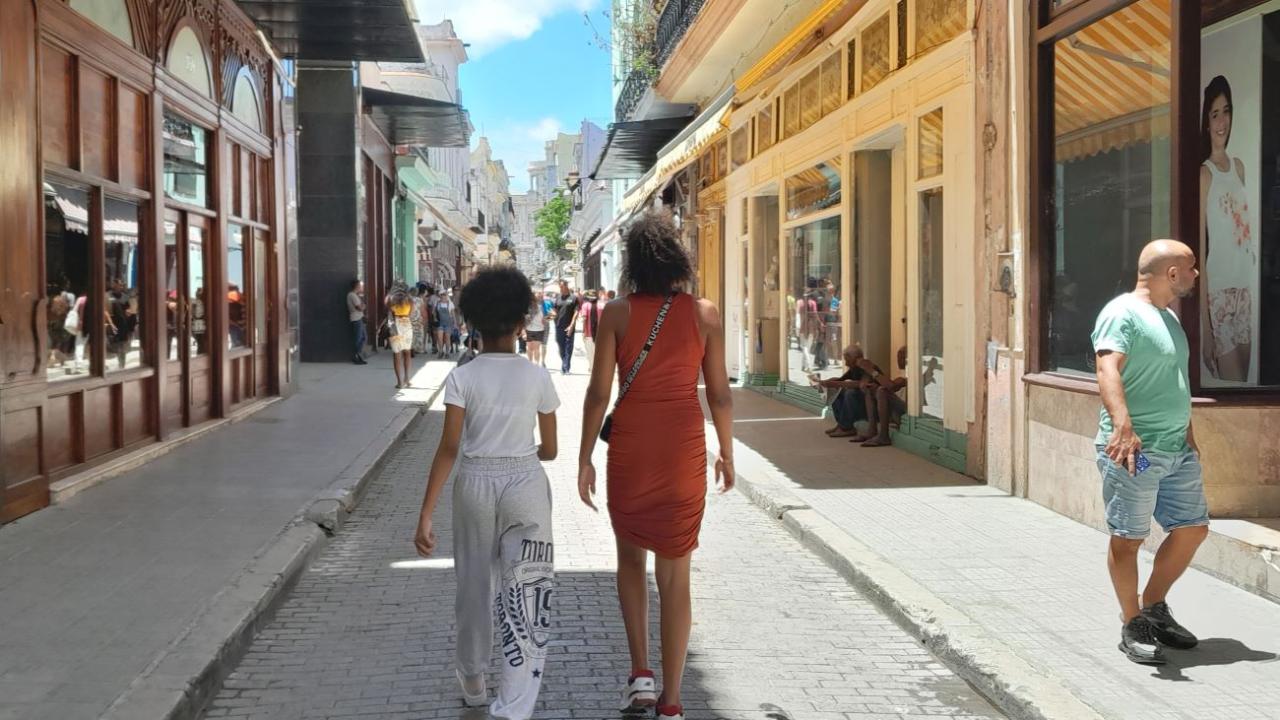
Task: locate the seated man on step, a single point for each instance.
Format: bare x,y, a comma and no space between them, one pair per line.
885,405
847,404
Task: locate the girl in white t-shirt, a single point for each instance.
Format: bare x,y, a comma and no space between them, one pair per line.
501,498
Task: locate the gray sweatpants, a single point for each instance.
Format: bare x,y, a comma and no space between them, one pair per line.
503,556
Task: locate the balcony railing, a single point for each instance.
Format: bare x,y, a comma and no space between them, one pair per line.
676,18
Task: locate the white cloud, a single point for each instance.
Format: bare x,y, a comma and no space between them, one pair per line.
518,143
489,24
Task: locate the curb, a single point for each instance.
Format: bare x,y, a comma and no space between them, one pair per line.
179,683
993,668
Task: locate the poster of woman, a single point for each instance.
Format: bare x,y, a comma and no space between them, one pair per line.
1230,153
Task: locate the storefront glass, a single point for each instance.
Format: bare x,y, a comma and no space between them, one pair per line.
260,289
1239,150
186,161
125,270
813,302
237,317
69,281
1111,183
172,292
198,309
814,190
932,307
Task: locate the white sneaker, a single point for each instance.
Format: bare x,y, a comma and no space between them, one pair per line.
480,697
641,692
670,712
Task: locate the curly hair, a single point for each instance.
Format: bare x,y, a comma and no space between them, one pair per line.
496,301
656,261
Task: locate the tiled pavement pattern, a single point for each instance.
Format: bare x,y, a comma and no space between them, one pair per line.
778,635
1028,576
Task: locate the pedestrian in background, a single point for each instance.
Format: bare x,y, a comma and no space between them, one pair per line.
446,322
355,316
660,338
535,334
1147,451
418,320
567,306
501,498
592,307
400,328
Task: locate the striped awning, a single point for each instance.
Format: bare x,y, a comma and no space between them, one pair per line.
1112,82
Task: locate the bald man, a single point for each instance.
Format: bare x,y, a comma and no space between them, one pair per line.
847,403
1146,450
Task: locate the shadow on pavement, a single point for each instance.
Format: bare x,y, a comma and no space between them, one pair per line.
1211,651
793,441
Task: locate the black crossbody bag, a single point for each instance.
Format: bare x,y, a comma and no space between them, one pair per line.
607,428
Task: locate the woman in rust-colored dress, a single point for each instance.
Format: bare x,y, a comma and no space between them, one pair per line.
657,468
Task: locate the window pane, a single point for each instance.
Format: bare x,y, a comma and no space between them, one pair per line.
121,225
853,68
831,84
171,290
875,53
810,100
901,23
815,189
791,111
764,129
740,148
813,299
237,337
197,311
931,144
1111,184
68,278
931,302
186,161
260,299
937,21
1240,151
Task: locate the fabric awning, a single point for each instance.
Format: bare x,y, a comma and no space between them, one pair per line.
1112,82
631,147
685,147
342,30
411,120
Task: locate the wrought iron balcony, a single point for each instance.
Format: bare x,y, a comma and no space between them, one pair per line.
676,18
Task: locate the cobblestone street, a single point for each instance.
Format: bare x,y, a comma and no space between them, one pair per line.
369,629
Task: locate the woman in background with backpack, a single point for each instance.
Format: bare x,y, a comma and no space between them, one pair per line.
659,339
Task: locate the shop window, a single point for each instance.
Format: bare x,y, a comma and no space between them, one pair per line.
829,86
110,15
852,74
810,99
930,150
937,21
814,190
791,111
1110,189
764,129
722,159
875,53
237,315
244,101
813,302
125,270
197,293
188,63
69,281
739,148
932,306
186,161
173,305
1239,150
260,265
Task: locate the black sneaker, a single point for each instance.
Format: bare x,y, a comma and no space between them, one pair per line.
1138,642
1167,630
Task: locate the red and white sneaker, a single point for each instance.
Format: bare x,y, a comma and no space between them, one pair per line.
641,692
670,712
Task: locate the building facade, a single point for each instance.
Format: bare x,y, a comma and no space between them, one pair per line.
147,227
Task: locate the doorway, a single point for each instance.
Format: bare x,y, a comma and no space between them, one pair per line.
188,319
872,257
766,302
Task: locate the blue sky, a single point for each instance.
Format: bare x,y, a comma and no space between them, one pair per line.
534,70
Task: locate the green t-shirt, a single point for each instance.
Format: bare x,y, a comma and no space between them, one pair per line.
1156,387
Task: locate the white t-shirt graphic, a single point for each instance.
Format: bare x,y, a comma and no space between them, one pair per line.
503,394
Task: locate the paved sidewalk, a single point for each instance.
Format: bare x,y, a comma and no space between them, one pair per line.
368,631
94,589
1003,573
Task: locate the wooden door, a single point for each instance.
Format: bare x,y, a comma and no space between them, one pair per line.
188,315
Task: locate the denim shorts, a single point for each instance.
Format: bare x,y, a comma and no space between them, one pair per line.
1171,489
